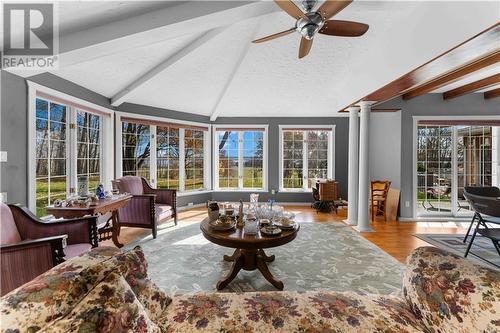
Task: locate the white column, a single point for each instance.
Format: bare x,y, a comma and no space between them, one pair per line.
364,176
352,172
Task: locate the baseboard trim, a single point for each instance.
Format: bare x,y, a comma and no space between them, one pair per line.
183,208
434,219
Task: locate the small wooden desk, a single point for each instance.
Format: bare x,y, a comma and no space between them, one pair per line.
101,207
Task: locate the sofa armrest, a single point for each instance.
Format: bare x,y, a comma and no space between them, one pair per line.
451,293
23,261
78,230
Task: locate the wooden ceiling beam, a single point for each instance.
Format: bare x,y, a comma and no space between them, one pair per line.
483,43
492,93
472,87
450,77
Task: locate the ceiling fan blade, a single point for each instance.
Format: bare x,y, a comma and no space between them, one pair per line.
290,8
332,7
305,47
344,28
274,36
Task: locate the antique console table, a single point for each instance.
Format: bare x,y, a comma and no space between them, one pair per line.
100,207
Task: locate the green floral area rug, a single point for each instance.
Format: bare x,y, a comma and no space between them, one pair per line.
324,256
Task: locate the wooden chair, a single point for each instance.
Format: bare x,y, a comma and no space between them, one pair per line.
148,207
30,246
379,191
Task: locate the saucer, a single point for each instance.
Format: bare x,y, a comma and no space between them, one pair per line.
270,231
289,226
221,226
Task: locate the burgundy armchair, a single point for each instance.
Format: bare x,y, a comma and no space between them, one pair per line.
148,207
30,247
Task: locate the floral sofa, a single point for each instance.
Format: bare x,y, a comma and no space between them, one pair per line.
106,290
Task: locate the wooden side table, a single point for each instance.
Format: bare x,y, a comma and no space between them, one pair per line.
101,207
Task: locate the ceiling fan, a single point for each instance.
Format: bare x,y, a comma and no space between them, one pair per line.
311,22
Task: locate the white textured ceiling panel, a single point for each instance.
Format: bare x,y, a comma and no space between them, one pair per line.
195,83
110,74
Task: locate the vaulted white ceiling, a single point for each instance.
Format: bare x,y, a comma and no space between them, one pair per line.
107,46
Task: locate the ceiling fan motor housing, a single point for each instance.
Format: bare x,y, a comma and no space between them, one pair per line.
310,24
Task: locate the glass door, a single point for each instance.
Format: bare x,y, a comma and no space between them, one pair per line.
450,157
474,161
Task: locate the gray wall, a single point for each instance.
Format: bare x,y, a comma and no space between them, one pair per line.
385,147
13,137
431,105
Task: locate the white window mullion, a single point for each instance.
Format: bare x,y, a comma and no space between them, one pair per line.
240,160
182,161
71,152
281,159
215,140
304,161
454,171
207,184
152,156
331,157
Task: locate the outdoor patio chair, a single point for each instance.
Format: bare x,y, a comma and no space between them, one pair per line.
484,191
486,208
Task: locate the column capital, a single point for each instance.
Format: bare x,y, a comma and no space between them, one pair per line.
365,103
353,108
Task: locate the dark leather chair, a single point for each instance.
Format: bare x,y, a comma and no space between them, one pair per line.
483,191
487,210
30,247
148,207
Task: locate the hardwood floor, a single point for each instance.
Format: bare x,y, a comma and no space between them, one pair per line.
395,238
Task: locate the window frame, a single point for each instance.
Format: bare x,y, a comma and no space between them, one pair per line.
331,156
215,152
207,179
105,137
495,169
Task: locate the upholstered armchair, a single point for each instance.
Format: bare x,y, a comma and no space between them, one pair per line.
148,207
30,247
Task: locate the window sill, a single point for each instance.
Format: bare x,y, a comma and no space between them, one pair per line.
294,191
249,190
190,193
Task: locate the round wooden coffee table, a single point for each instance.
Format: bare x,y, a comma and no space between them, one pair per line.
249,250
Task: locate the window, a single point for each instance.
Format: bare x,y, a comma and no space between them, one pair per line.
193,159
67,151
180,161
451,155
51,154
167,157
240,158
88,164
136,147
306,154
